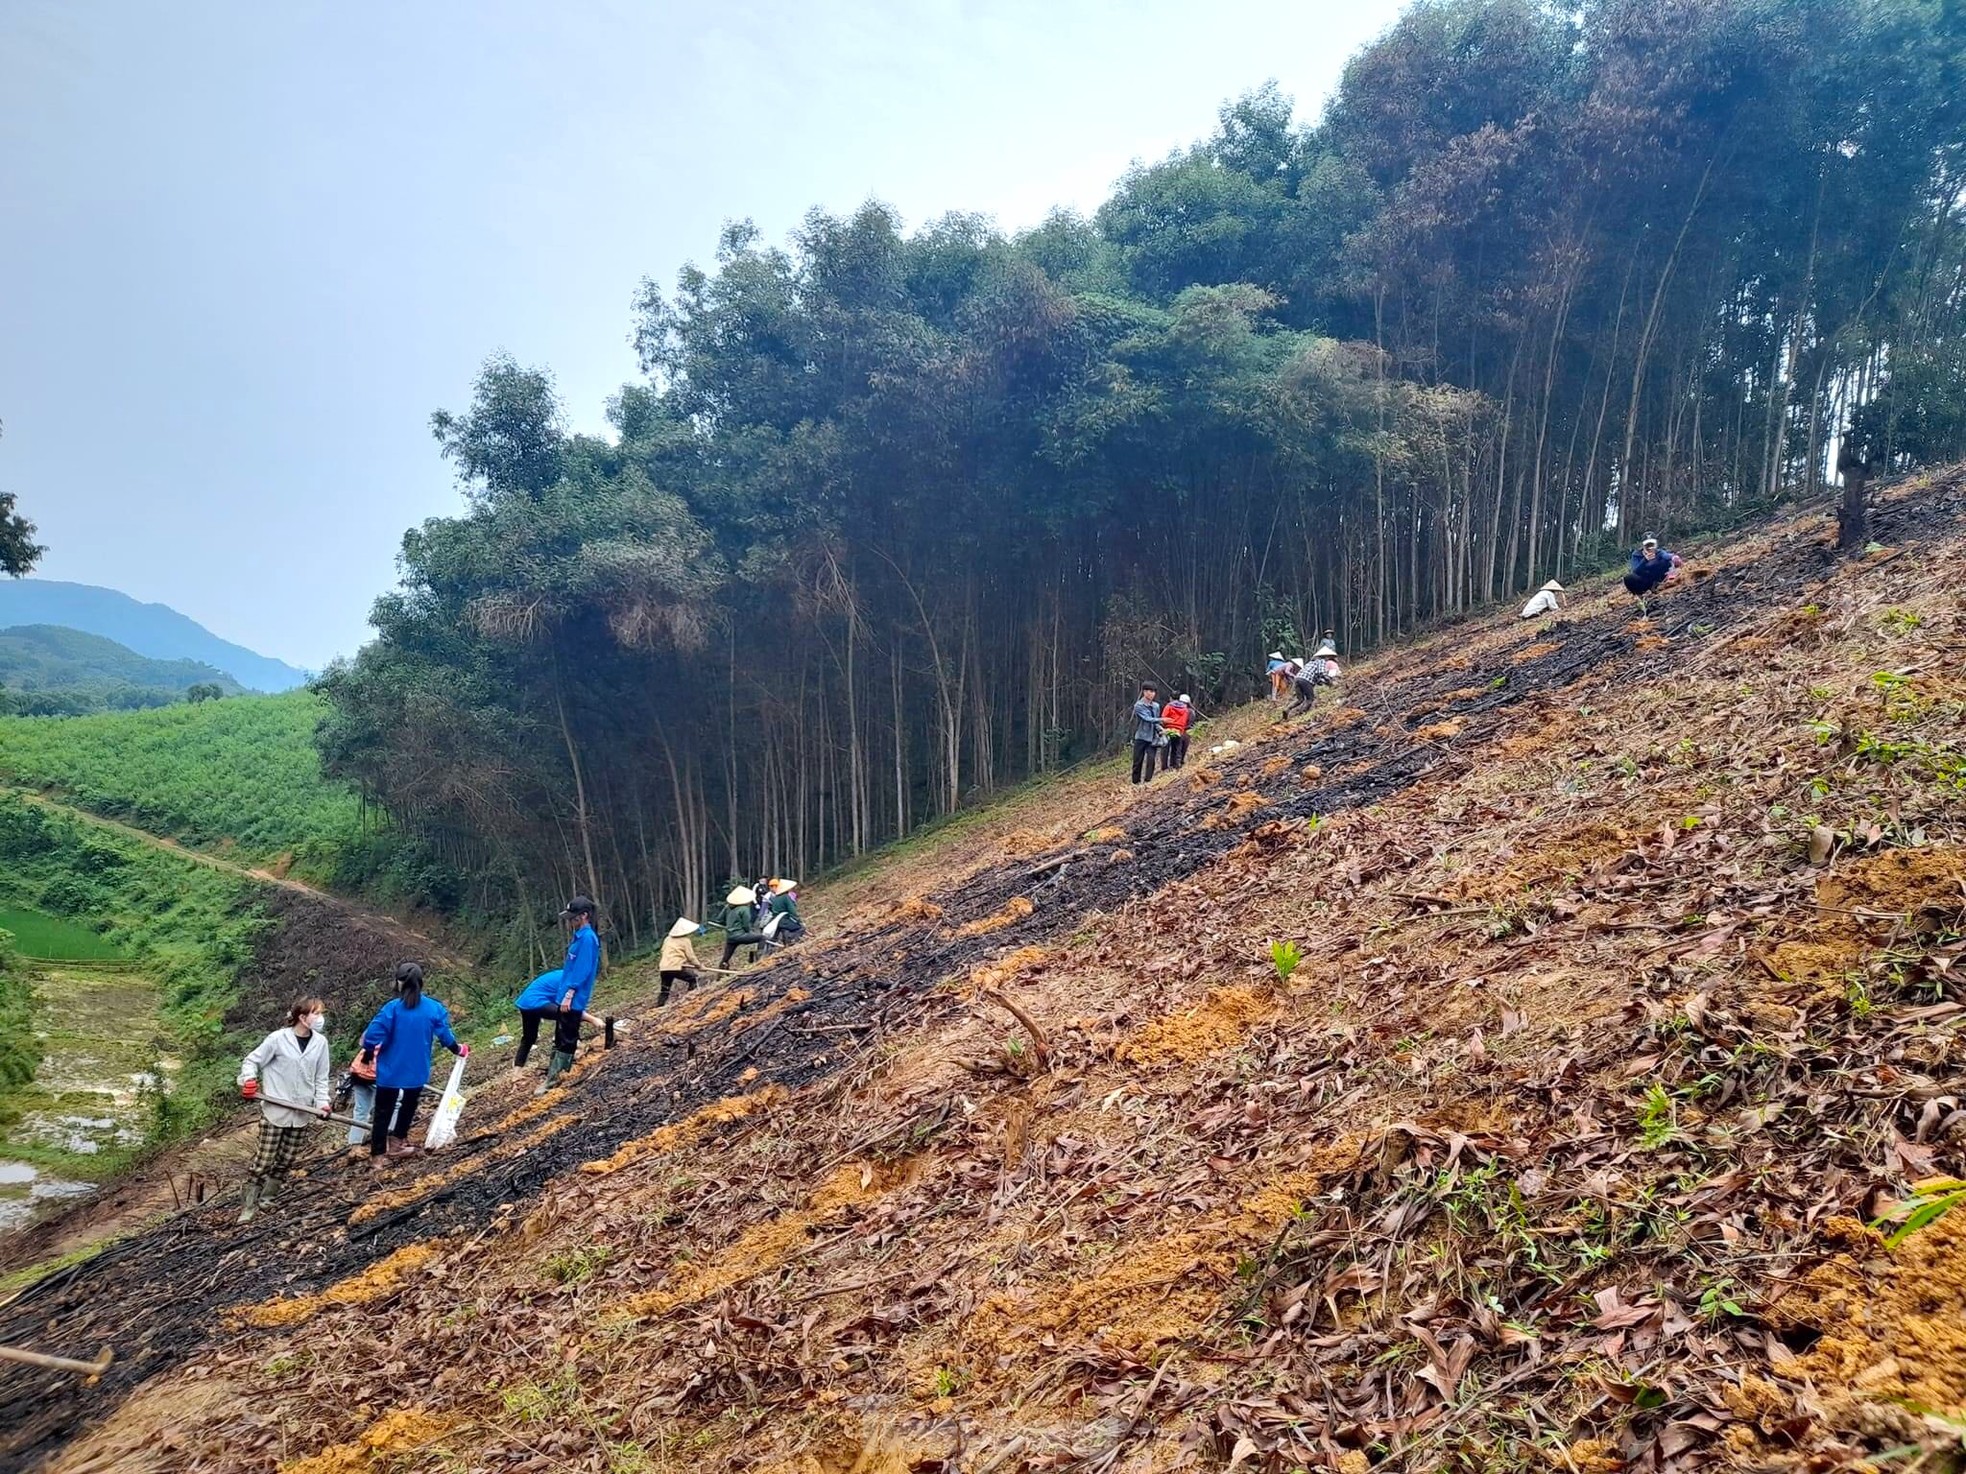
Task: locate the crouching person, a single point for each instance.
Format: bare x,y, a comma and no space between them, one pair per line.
356,1095
678,961
294,1063
561,995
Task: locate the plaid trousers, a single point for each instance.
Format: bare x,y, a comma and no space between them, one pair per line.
279,1148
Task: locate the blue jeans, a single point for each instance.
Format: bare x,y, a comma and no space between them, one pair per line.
363,1109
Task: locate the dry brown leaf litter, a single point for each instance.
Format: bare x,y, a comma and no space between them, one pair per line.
1586,1112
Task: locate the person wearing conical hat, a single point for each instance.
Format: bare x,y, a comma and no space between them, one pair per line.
740,924
1545,602
678,960
1279,676
1320,670
782,903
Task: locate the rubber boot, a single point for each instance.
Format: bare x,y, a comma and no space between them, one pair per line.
561,1062
249,1205
268,1190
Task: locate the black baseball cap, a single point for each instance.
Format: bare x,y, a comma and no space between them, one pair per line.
578,906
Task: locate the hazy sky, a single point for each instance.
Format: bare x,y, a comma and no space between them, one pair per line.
247,247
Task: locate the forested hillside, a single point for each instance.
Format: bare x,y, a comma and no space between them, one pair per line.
896,516
47,670
154,630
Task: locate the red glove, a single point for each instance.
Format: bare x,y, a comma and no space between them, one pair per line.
249,1089
464,1051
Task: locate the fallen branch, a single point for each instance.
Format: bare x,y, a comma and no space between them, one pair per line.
1439,915
59,1363
1040,1045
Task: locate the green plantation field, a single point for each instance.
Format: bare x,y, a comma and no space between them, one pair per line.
53,938
187,927
239,774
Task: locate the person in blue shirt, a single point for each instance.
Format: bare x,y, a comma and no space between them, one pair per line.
398,1043
1146,735
561,995
1652,566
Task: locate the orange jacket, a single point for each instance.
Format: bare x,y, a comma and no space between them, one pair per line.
1175,717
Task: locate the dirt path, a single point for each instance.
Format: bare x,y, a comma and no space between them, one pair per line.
379,920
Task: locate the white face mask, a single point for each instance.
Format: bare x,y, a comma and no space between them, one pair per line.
317,1021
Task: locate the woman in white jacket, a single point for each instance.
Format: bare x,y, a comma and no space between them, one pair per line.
1548,600
294,1063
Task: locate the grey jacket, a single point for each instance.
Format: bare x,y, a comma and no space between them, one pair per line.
283,1069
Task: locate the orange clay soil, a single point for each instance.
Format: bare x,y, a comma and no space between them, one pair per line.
374,1283
1221,1018
404,1433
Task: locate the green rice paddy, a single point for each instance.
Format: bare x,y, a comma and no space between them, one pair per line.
54,938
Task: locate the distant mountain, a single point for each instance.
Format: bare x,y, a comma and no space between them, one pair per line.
155,630
36,658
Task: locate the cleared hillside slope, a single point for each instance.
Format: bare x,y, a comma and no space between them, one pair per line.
1554,1152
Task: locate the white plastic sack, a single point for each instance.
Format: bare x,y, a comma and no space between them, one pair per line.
443,1125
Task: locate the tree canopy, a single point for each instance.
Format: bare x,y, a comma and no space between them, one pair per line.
897,517
18,550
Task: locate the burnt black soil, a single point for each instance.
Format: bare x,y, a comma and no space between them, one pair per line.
316,947
159,1296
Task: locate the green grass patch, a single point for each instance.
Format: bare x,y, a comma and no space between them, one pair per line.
17,1280
189,928
54,938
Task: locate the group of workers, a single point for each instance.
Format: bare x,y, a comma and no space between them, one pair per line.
761,916
1160,733
1650,570
1298,680
289,1073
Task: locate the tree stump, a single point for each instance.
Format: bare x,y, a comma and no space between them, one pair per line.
1850,520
